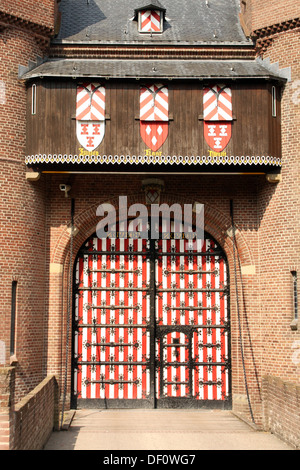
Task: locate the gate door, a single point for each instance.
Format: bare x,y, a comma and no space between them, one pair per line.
151,326
112,315
192,326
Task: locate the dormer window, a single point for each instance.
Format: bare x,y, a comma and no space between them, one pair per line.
150,21
150,17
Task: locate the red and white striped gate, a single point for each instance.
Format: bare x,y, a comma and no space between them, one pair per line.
151,326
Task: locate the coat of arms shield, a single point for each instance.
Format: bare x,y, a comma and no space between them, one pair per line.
154,115
90,115
217,134
154,134
90,134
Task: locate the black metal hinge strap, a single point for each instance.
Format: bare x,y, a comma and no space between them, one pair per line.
111,382
112,325
113,307
136,271
191,290
191,271
210,382
225,364
192,326
191,308
193,363
209,345
113,363
115,253
140,289
175,383
111,345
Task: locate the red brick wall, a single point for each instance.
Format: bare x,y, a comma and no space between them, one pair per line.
281,409
279,225
258,14
7,387
36,416
22,219
40,12
269,12
28,425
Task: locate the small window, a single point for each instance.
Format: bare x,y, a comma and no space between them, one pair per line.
295,293
274,101
33,99
13,317
150,21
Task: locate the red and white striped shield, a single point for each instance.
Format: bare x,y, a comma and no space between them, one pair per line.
154,115
150,21
90,115
217,135
217,103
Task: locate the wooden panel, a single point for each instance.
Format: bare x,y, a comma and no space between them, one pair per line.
52,131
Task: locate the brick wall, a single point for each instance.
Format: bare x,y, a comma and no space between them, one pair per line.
41,12
36,416
269,12
279,226
22,206
28,425
282,409
258,14
7,387
22,217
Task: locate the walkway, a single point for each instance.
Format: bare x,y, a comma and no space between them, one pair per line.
161,430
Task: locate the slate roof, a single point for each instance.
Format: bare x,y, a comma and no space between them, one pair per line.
162,69
186,22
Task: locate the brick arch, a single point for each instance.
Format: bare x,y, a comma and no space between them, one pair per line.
217,224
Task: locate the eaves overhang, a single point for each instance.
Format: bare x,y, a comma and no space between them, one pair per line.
146,69
151,42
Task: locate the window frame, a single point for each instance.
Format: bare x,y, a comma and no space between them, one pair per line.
274,101
33,99
13,318
150,32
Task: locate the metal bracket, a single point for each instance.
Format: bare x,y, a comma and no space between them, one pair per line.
274,178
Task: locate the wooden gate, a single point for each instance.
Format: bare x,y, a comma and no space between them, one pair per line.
151,325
